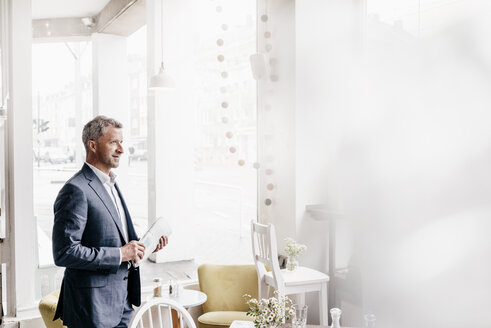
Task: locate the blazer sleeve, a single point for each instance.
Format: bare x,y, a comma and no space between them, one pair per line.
70,219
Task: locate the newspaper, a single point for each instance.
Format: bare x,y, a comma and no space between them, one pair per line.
150,239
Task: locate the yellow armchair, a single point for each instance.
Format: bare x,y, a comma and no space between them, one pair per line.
47,307
225,286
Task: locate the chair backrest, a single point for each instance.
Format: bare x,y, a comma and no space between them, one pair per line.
225,286
157,313
47,308
265,253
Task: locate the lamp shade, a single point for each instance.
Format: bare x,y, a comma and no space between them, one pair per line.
161,80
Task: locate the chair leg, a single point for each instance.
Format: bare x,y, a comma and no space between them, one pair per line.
300,299
263,290
323,305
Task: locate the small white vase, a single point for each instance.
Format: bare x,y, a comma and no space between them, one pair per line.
291,263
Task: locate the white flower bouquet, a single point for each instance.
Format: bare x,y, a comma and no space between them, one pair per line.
293,250
271,312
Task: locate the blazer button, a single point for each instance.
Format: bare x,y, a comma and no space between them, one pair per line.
125,278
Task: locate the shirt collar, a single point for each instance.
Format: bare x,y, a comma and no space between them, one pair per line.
110,179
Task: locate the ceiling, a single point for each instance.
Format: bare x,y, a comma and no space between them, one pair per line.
66,8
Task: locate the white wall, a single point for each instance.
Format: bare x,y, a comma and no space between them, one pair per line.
399,145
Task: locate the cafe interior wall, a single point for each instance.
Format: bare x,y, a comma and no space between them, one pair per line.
390,137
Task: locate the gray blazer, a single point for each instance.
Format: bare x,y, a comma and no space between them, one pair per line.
87,235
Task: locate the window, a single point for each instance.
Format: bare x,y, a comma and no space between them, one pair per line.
225,190
62,102
216,90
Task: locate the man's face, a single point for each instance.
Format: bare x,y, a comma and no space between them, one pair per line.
109,148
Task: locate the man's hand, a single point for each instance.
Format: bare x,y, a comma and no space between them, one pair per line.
132,251
162,242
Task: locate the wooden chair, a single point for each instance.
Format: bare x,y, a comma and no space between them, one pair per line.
157,312
297,282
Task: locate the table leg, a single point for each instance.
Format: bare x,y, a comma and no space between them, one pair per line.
332,266
175,319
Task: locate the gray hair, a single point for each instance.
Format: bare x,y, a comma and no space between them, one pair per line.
96,128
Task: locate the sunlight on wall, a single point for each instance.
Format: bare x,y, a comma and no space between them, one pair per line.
438,247
400,124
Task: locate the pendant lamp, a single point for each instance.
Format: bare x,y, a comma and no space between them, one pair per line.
161,80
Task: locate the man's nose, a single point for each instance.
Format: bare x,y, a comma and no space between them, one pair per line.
120,148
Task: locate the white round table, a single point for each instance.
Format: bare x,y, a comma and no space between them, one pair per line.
187,297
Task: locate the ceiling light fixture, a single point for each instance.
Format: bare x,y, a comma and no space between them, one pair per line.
89,22
161,80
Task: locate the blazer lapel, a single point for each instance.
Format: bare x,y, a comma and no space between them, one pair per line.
99,189
131,230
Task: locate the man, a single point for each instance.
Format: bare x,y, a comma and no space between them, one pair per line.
94,237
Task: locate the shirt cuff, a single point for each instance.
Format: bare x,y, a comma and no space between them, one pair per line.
120,257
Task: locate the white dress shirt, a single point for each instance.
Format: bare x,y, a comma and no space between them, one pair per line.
108,182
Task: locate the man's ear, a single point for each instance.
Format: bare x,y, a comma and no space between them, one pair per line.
92,145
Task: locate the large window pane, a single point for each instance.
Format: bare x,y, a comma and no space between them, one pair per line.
62,102
218,95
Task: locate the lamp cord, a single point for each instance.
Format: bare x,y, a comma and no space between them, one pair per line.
162,33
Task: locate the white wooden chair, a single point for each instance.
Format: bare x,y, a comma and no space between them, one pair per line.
158,311
298,282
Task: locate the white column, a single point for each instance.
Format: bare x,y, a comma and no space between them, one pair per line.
21,225
153,37
110,76
171,125
110,83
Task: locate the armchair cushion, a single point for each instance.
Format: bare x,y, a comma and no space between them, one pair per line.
221,319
